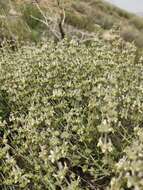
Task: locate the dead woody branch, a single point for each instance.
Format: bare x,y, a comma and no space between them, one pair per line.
54,23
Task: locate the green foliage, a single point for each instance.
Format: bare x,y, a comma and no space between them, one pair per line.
72,111
21,25
80,22
29,10
4,6
4,107
129,169
137,22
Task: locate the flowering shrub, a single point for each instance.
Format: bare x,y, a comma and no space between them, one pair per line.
129,169
67,113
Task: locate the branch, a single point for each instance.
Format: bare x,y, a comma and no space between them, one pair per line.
54,32
61,24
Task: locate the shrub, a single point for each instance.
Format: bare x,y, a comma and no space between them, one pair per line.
137,22
129,34
29,10
73,110
79,21
129,169
14,29
4,6
106,22
139,40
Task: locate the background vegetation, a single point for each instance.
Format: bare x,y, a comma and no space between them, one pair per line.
91,15
71,109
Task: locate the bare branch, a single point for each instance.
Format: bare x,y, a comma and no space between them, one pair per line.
54,32
52,23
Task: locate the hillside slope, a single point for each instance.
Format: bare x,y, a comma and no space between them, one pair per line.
106,16
85,15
